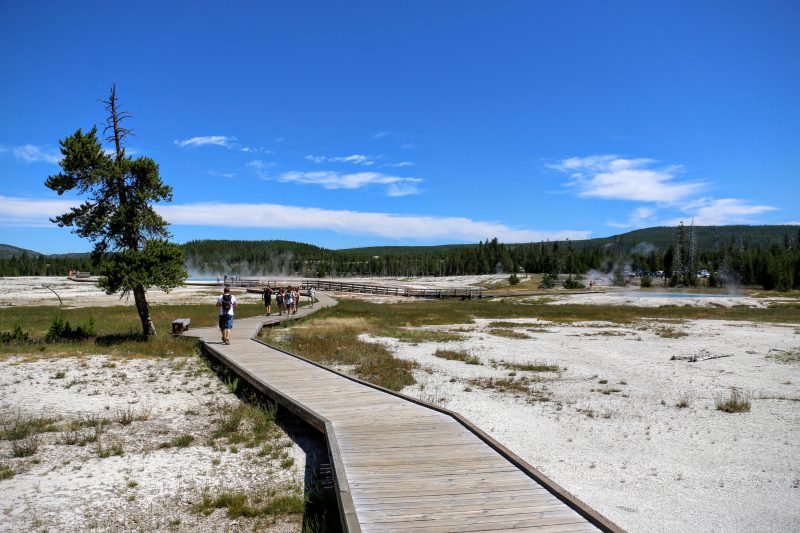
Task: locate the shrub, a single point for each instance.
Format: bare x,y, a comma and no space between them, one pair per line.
513,279
714,280
25,447
61,330
573,283
14,336
548,281
646,281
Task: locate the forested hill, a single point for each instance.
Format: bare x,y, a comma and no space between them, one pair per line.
706,237
7,251
767,255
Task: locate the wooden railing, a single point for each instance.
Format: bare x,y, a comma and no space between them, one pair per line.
366,288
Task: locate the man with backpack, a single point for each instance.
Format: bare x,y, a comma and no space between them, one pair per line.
226,304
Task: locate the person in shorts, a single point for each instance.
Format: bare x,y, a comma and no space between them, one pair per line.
268,301
226,303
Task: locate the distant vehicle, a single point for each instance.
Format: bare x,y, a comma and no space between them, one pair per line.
702,273
660,273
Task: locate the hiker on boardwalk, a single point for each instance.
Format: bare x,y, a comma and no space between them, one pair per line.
279,300
226,303
288,300
311,293
268,301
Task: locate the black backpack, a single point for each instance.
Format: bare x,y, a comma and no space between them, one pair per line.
226,303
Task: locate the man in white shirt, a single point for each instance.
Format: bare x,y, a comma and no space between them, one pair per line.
226,303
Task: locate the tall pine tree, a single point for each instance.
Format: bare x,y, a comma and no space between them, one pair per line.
117,214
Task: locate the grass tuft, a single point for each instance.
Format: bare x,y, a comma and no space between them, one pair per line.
458,355
737,401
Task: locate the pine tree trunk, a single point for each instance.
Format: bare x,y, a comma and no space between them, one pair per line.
148,329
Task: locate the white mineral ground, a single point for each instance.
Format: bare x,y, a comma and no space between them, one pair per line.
622,446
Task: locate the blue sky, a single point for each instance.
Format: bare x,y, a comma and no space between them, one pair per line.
363,123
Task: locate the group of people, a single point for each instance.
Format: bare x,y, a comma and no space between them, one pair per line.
287,299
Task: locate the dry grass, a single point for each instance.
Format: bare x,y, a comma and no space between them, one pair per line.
737,401
508,333
415,336
536,366
269,502
506,324
670,333
790,356
458,355
340,345
522,386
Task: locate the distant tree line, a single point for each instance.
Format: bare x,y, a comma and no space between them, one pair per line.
738,260
27,264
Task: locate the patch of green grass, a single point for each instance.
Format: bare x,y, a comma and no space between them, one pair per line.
522,385
506,324
118,330
670,333
790,356
683,401
181,441
6,471
416,336
458,355
536,366
609,390
737,401
25,447
508,333
248,424
21,426
338,344
114,449
239,504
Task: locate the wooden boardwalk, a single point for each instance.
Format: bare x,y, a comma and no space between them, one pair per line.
400,465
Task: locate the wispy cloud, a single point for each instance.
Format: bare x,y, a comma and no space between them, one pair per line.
255,150
396,185
29,212
222,174
356,159
640,217
617,178
401,164
31,153
722,211
212,140
259,215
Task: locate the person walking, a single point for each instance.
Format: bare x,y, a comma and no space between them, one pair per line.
288,300
226,303
268,300
311,293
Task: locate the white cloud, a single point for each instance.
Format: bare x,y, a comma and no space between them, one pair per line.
222,174
721,211
639,217
32,212
214,140
396,186
792,223
356,159
28,212
34,154
401,164
613,177
255,150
